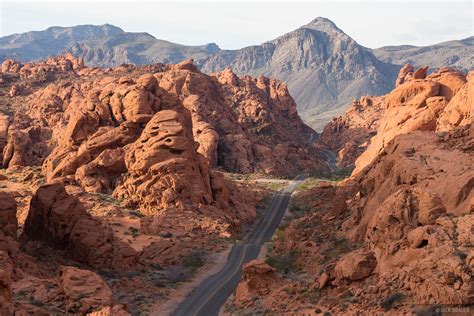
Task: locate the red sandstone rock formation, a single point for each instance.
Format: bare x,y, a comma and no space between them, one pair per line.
85,290
258,279
129,157
397,232
349,135
420,104
438,101
60,220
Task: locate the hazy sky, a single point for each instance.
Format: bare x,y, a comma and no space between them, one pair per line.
233,24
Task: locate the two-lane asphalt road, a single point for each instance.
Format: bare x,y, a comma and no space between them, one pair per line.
212,293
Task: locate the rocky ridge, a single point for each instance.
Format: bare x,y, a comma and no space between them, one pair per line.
395,236
456,54
324,68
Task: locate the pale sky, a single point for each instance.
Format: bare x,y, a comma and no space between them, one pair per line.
234,25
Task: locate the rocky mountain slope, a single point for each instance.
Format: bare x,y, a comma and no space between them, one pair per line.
325,69
458,54
111,190
104,45
396,237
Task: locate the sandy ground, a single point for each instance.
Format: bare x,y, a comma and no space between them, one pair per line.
214,264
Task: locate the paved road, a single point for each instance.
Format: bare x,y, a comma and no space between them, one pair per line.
212,293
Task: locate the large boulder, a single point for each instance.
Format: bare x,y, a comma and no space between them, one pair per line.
84,290
163,168
60,220
356,265
258,279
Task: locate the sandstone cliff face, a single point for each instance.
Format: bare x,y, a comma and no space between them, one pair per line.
436,102
396,232
420,104
27,285
62,221
349,135
244,124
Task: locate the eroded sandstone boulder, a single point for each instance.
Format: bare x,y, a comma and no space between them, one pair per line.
163,168
258,278
356,265
60,220
85,290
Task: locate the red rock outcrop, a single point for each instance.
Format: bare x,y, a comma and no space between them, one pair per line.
131,131
163,168
84,290
60,220
26,147
400,228
355,265
258,278
349,135
8,233
243,124
129,155
8,221
419,105
53,65
438,101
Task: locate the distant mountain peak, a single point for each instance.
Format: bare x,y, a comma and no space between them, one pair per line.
211,47
323,24
106,28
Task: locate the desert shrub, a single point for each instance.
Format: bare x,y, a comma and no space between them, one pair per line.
133,231
388,302
194,259
136,213
283,263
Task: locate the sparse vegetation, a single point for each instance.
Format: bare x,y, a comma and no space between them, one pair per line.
193,260
136,213
298,209
166,235
133,231
309,183
108,199
282,263
35,302
157,266
388,303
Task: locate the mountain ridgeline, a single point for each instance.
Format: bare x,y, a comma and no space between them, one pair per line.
324,68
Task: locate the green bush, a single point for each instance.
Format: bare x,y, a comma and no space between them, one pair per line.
388,303
193,260
283,263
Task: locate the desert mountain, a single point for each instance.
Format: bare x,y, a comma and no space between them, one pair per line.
325,69
104,45
457,54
